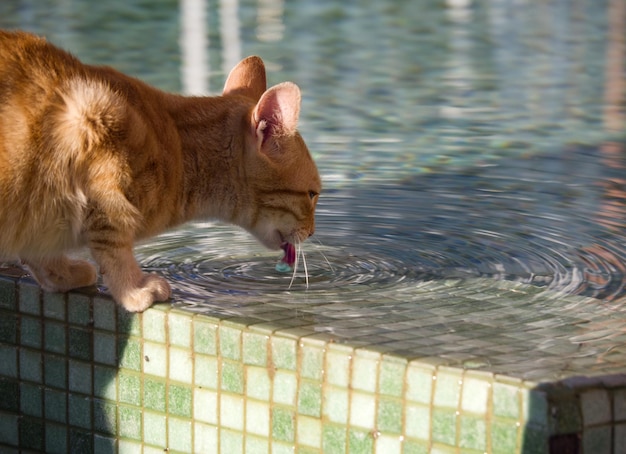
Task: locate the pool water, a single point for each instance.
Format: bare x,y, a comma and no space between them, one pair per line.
456,140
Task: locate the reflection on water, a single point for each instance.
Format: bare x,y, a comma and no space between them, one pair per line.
457,139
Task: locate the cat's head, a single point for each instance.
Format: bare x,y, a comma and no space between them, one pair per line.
280,174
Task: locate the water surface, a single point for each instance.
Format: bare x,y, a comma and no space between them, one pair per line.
457,140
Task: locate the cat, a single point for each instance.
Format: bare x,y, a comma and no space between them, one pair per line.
92,157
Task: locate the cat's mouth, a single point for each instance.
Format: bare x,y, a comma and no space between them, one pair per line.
290,253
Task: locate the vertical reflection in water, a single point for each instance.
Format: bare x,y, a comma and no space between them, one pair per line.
270,26
229,29
193,44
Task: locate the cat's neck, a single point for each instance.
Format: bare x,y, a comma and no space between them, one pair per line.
212,133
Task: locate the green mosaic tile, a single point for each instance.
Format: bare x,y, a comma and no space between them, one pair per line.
447,388
79,411
258,418
129,447
129,353
130,422
309,432
363,410
310,398
153,325
475,395
9,434
365,370
155,359
473,433
105,416
231,442
284,353
154,429
389,417
8,328
283,424
8,297
619,404
596,407
335,406
255,349
54,306
232,377
419,383
8,359
413,447
154,394
179,400
205,438
417,421
30,332
56,439
79,310
204,337
104,348
305,450
535,407
29,298
31,366
80,441
79,343
258,383
597,440
312,359
54,337
179,329
55,371
180,365
231,411
230,342
105,382
104,314
55,404
205,371
333,439
337,368
360,442
9,389
504,437
285,388
31,432
506,400
444,426
567,417
391,381
129,388
128,323
103,444
281,448
80,377
31,400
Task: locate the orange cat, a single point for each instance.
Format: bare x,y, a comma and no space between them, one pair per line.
90,156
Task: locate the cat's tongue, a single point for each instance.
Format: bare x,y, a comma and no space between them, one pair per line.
290,253
288,260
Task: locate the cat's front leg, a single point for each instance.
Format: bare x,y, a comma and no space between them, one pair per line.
129,286
61,274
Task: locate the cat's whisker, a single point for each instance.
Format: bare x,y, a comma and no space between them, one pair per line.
295,270
306,271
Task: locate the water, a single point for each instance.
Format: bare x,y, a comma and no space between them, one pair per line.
465,142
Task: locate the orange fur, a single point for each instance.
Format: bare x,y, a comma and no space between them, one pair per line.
92,157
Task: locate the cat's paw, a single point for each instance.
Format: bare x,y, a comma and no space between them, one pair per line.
61,274
152,288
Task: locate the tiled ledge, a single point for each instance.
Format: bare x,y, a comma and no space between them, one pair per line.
77,374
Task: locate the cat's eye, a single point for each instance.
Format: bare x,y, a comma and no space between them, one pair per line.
313,194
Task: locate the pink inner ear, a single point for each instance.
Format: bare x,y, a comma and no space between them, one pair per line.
279,107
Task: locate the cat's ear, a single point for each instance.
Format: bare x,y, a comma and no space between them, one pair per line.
277,112
247,79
